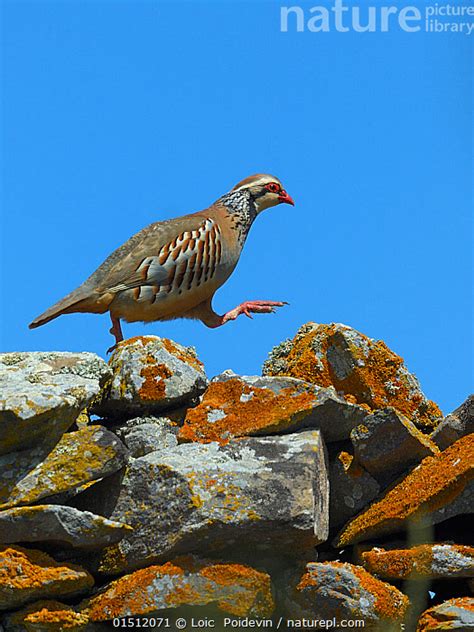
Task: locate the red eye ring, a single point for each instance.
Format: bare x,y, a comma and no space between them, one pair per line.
273,187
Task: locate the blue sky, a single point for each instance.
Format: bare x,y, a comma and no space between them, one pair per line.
118,114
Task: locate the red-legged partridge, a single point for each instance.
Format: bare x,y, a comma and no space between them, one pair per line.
172,269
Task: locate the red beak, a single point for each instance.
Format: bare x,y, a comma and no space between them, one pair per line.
287,199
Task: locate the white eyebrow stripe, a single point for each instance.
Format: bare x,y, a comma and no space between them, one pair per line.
259,181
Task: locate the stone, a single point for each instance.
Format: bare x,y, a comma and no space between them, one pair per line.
456,425
268,494
59,524
344,591
79,457
143,435
150,374
455,614
233,588
42,394
47,616
387,444
351,489
439,488
235,406
436,561
29,575
364,370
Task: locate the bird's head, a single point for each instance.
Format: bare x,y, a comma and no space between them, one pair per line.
265,191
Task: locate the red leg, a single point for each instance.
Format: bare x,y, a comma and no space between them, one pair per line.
251,307
115,330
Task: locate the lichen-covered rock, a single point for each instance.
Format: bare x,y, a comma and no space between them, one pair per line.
456,425
42,394
233,588
59,524
268,493
455,614
79,457
439,488
143,435
151,374
366,371
351,489
387,444
346,592
235,406
47,616
437,561
28,575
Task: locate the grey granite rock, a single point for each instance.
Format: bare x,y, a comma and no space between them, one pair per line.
59,524
351,489
143,435
387,444
79,457
456,425
263,494
42,394
151,374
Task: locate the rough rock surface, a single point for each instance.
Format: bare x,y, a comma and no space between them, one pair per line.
151,374
366,371
61,524
28,575
268,493
233,588
455,614
345,591
247,486
42,394
438,489
79,457
351,489
456,425
143,435
236,406
47,616
387,444
438,561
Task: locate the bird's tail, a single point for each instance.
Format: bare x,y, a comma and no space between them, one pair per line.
74,302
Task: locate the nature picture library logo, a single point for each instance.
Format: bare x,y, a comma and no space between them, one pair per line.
343,18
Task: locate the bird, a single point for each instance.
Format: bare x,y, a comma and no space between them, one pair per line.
172,269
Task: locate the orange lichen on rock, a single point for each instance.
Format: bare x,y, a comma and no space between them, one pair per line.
27,574
377,377
154,385
242,410
436,482
350,465
411,563
125,596
184,354
48,615
234,588
389,603
254,594
446,616
37,569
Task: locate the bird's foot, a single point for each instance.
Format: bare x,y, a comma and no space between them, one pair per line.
253,307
